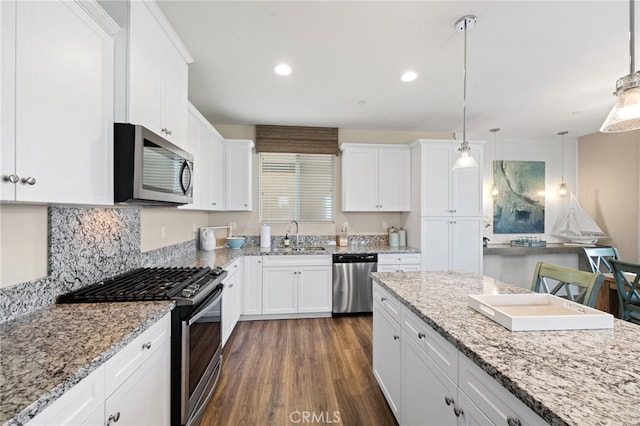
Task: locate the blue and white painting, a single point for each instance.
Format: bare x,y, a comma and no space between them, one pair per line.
519,206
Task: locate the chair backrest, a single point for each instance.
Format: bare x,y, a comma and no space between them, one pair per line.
599,257
627,276
577,286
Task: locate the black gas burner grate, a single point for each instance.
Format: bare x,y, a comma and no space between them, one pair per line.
144,284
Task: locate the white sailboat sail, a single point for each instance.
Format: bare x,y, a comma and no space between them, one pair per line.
577,226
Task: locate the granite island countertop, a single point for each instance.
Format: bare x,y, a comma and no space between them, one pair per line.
576,377
45,353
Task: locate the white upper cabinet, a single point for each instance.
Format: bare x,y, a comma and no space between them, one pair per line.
445,192
376,178
205,143
151,71
57,102
239,171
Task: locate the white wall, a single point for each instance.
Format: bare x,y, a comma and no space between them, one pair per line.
548,150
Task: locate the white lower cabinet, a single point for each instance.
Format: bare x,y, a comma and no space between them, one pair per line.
427,381
396,262
297,284
132,386
252,286
386,355
231,299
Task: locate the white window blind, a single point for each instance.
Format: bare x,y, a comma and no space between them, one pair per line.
296,186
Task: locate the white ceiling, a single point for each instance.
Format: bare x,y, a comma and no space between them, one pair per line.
534,67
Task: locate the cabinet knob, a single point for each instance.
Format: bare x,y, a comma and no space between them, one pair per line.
396,337
246,205
214,204
421,335
113,418
448,400
144,346
166,131
382,298
513,421
29,180
11,178
230,285
458,411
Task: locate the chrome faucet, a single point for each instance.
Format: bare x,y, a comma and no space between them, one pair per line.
294,221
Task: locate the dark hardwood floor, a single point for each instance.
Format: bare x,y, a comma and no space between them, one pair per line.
303,371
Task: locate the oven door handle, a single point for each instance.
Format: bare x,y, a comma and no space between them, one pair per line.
205,306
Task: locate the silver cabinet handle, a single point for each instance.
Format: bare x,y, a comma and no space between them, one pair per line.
145,346
458,411
396,337
166,131
11,178
513,421
448,400
113,418
29,180
382,298
421,336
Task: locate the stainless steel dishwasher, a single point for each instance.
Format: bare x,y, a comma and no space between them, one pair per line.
352,285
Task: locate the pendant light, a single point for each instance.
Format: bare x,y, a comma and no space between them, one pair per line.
465,160
625,114
562,191
494,189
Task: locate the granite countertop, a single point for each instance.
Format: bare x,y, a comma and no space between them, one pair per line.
45,353
578,377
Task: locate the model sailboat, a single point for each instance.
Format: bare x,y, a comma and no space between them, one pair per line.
577,227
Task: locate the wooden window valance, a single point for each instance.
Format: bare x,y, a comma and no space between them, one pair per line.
297,139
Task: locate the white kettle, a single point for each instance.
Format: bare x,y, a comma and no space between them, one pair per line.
207,239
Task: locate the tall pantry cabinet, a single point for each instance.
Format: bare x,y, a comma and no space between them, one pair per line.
446,207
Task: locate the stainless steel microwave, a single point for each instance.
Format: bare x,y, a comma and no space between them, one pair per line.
148,169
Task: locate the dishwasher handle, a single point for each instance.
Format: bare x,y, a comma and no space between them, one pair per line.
355,258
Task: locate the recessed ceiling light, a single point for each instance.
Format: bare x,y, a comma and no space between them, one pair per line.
408,76
282,69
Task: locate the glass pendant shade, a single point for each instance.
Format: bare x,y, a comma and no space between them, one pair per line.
562,191
625,114
464,160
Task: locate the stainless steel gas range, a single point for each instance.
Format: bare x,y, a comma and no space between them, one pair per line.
196,338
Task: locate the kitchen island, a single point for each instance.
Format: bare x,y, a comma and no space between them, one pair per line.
579,377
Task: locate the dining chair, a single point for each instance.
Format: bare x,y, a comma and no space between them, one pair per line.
578,286
599,257
627,275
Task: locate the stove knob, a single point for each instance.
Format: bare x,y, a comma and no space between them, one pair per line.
188,292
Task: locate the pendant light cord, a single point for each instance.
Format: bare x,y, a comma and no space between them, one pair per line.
632,44
464,88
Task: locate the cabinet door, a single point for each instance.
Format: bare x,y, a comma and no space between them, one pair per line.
424,388
252,286
394,180
63,105
386,357
436,185
144,399
231,301
147,45
238,164
279,290
436,243
174,94
470,414
360,180
466,245
215,164
466,188
315,289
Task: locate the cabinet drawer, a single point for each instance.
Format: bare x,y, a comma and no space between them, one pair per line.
296,260
82,404
389,303
132,356
396,258
443,353
233,268
497,403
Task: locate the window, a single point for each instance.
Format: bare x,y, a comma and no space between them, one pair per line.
296,186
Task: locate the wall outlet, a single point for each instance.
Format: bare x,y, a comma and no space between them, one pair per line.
163,232
385,226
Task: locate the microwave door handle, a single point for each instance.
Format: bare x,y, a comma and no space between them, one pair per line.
186,165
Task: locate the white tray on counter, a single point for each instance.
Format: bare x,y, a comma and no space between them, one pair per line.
538,311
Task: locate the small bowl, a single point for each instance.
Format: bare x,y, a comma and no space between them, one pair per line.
235,242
